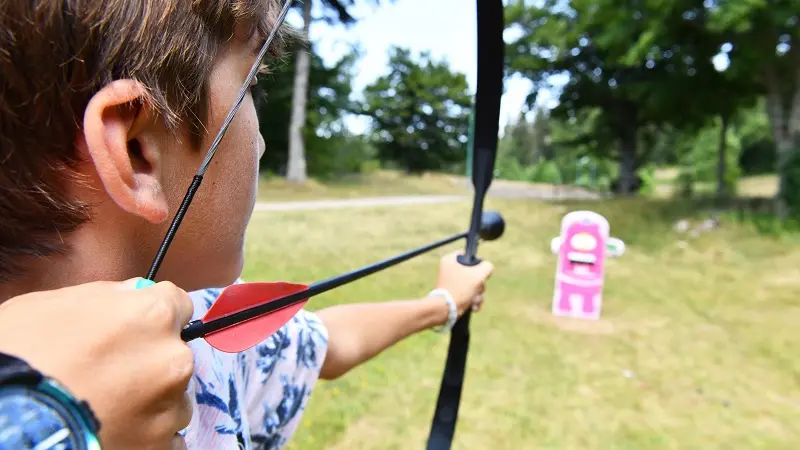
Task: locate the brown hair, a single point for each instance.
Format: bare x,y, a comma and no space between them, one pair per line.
56,54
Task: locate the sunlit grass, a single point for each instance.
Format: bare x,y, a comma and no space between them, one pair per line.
381,183
697,347
764,186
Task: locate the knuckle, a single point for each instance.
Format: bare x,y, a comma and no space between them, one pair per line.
178,443
162,312
183,366
164,305
185,412
180,302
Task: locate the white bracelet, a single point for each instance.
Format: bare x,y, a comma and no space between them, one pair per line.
452,313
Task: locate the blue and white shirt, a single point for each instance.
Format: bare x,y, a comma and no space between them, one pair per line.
253,400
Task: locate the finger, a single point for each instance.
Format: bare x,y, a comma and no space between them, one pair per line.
179,301
185,411
487,268
134,284
173,416
477,302
178,443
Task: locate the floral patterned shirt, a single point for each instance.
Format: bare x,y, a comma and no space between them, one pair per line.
253,400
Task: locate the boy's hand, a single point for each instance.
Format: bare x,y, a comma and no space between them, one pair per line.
466,284
115,347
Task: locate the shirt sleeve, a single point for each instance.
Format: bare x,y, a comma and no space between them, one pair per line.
279,375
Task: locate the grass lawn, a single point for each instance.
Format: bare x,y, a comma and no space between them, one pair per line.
377,184
697,348
749,186
382,183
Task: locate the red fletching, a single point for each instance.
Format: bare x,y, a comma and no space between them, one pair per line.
239,297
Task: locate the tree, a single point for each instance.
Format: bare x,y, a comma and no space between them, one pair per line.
716,95
324,127
296,171
420,113
764,37
632,68
333,11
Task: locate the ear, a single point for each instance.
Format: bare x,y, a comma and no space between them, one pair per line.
117,138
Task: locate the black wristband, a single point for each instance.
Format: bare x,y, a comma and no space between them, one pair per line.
15,370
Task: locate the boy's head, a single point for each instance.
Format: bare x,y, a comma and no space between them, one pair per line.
107,108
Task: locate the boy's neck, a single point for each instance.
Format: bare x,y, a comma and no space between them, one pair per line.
95,253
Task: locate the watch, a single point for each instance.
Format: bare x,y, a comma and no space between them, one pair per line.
38,413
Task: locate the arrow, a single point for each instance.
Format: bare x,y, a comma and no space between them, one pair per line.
246,314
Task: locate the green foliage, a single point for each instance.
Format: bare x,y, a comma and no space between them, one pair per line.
338,154
328,103
638,74
704,155
420,113
648,175
547,172
759,153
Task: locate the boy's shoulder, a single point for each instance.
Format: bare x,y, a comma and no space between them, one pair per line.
258,396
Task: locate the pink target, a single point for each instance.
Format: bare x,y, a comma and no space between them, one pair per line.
582,249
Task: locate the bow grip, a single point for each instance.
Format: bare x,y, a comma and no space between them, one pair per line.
468,260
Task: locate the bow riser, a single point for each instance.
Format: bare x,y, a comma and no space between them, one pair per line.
487,121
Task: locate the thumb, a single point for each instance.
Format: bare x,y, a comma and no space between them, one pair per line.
486,268
134,284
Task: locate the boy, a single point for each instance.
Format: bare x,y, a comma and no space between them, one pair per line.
106,110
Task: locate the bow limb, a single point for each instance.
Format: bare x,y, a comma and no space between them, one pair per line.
487,117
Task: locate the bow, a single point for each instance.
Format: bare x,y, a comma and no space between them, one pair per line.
242,317
487,117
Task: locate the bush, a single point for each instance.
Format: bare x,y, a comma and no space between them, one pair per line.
547,172
336,155
509,168
648,177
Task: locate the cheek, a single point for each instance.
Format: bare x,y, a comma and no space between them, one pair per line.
248,150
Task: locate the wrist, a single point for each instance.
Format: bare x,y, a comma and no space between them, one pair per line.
436,311
54,415
447,307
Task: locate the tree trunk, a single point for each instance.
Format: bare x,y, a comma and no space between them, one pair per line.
722,187
627,167
785,124
296,171
794,114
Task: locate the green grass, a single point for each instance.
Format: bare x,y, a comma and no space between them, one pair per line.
708,328
749,186
377,184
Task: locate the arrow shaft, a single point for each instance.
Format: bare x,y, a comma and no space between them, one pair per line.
199,329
